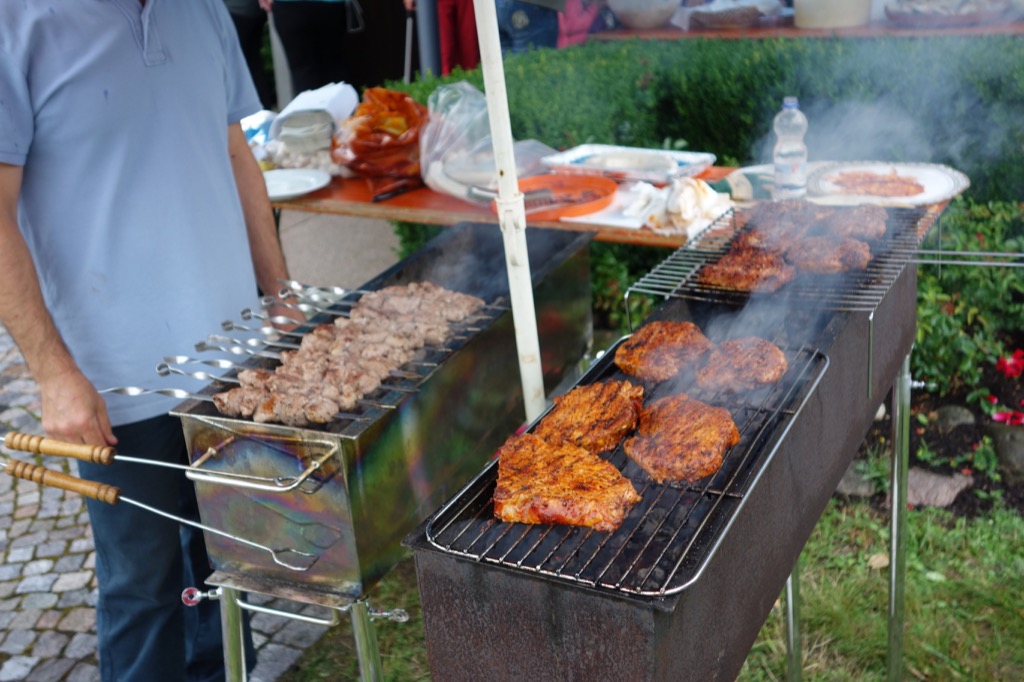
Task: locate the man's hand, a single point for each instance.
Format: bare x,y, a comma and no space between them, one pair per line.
73,411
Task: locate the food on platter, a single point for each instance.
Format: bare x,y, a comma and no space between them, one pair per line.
877,184
659,350
747,269
866,221
680,439
742,364
337,364
828,255
539,482
595,417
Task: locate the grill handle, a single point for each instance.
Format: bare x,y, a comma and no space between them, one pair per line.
43,476
97,454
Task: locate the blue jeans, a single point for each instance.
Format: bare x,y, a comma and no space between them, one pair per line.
522,26
144,561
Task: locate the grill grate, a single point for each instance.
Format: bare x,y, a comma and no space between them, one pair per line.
668,536
676,276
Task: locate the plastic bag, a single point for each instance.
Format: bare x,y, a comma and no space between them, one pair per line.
380,140
456,152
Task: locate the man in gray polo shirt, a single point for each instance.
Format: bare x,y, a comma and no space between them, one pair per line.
133,220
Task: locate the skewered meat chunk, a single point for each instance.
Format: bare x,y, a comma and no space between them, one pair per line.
829,255
747,269
594,417
679,439
866,221
659,350
742,364
539,482
239,402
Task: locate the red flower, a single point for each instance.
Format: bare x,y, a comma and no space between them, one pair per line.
1012,366
992,399
1014,418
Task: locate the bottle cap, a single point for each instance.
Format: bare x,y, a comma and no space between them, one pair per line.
789,102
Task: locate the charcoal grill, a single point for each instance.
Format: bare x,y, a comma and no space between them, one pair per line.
681,590
346,492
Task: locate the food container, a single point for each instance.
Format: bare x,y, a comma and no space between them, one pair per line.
831,13
658,166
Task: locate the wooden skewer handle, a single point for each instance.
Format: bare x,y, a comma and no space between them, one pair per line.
98,454
43,476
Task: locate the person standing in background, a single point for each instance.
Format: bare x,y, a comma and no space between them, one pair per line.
133,220
527,24
456,28
313,33
251,22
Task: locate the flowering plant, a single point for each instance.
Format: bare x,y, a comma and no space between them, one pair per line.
1012,366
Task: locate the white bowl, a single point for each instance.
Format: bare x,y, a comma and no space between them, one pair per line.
643,14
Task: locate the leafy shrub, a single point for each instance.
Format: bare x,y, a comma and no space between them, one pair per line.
964,311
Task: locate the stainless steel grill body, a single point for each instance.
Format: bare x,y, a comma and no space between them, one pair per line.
389,472
501,618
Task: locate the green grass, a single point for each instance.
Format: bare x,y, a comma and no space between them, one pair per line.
964,608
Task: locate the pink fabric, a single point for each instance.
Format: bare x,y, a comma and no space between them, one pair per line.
574,23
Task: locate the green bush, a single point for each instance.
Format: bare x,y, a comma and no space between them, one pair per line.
964,310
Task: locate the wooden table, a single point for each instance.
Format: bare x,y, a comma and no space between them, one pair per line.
351,196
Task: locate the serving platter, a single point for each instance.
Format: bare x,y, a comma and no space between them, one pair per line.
944,15
936,183
288,183
659,166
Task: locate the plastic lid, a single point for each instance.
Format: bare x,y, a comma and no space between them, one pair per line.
789,103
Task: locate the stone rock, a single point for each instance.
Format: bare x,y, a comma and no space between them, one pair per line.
854,483
948,417
927,489
1008,442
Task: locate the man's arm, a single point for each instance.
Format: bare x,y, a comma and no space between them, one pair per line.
267,257
72,410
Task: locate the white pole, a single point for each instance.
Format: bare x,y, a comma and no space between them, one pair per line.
511,210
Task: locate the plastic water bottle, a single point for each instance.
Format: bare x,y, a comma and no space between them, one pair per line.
790,153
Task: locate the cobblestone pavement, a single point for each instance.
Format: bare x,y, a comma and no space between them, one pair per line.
47,583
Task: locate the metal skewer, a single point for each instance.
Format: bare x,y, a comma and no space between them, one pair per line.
109,494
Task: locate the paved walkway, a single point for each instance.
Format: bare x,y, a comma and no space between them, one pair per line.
47,584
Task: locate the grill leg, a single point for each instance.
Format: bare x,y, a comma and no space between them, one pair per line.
370,667
898,521
231,631
794,646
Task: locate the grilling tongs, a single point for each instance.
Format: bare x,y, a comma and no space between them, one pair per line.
290,558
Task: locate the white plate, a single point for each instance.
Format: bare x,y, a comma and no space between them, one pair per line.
288,183
938,182
660,166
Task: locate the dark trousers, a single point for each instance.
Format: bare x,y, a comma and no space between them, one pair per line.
251,29
313,36
144,561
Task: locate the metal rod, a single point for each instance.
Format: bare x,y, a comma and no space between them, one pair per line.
233,634
370,667
794,646
898,522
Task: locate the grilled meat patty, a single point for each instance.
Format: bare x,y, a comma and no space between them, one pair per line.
539,482
595,417
829,255
679,439
747,269
659,350
866,221
742,364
